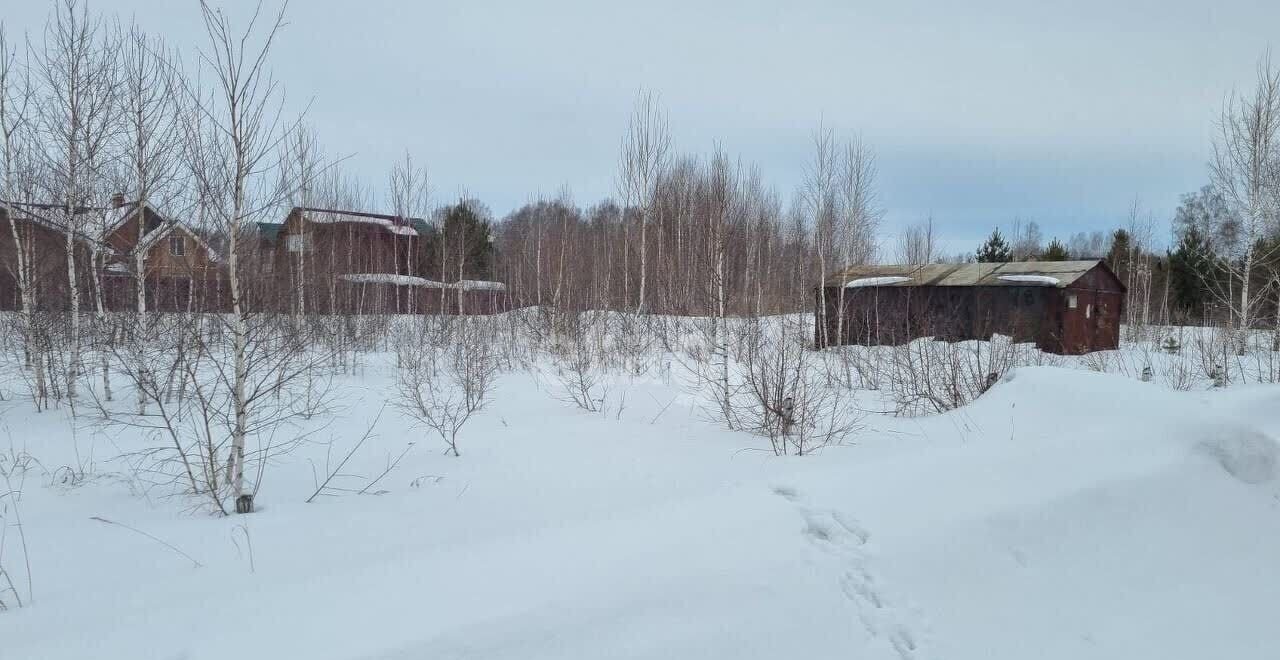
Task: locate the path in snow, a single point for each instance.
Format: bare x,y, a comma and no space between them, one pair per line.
842,536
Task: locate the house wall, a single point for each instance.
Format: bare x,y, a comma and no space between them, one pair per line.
333,249
1094,324
46,250
124,237
194,261
169,294
385,298
894,315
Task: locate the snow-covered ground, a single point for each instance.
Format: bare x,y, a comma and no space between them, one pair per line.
1066,513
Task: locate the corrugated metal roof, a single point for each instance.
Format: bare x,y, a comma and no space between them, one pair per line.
1016,273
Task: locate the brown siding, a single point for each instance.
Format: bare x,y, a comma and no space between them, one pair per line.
890,315
48,266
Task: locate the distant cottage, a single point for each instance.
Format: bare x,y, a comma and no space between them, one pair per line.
318,261
1065,307
132,241
357,262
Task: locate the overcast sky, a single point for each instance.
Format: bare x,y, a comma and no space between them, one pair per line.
979,112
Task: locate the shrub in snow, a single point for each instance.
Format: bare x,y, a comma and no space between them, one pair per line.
442,386
930,376
13,466
577,357
765,379
180,367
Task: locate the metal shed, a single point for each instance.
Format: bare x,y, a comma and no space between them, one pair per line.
1065,307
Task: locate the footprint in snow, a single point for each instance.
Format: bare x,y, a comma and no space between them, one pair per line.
786,492
903,642
844,536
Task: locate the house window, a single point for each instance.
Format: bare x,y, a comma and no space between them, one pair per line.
297,243
1071,301
177,245
269,261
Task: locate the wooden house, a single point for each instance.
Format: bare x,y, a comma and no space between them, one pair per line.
127,239
335,261
356,262
40,249
1065,307
181,271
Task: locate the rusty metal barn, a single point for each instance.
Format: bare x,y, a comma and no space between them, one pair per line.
1065,307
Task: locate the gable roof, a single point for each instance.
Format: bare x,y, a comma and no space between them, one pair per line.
116,217
160,232
21,211
25,211
119,215
1058,274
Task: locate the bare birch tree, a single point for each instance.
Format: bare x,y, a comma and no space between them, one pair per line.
301,164
918,243
76,111
410,192
151,142
17,161
1246,170
245,115
644,159
818,199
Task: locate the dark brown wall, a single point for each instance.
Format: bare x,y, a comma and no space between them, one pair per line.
894,315
385,298
1094,324
47,253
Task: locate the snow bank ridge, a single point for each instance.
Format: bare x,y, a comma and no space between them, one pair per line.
1246,454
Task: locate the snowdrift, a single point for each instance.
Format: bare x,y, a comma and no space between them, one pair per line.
1064,514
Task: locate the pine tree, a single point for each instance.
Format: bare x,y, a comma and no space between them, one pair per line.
994,250
1055,252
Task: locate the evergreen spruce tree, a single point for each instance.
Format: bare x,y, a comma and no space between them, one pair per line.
1118,256
1189,266
466,232
1056,251
994,250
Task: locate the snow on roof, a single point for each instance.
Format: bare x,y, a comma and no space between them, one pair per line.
410,280
980,274
1031,279
478,285
876,281
390,223
389,278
